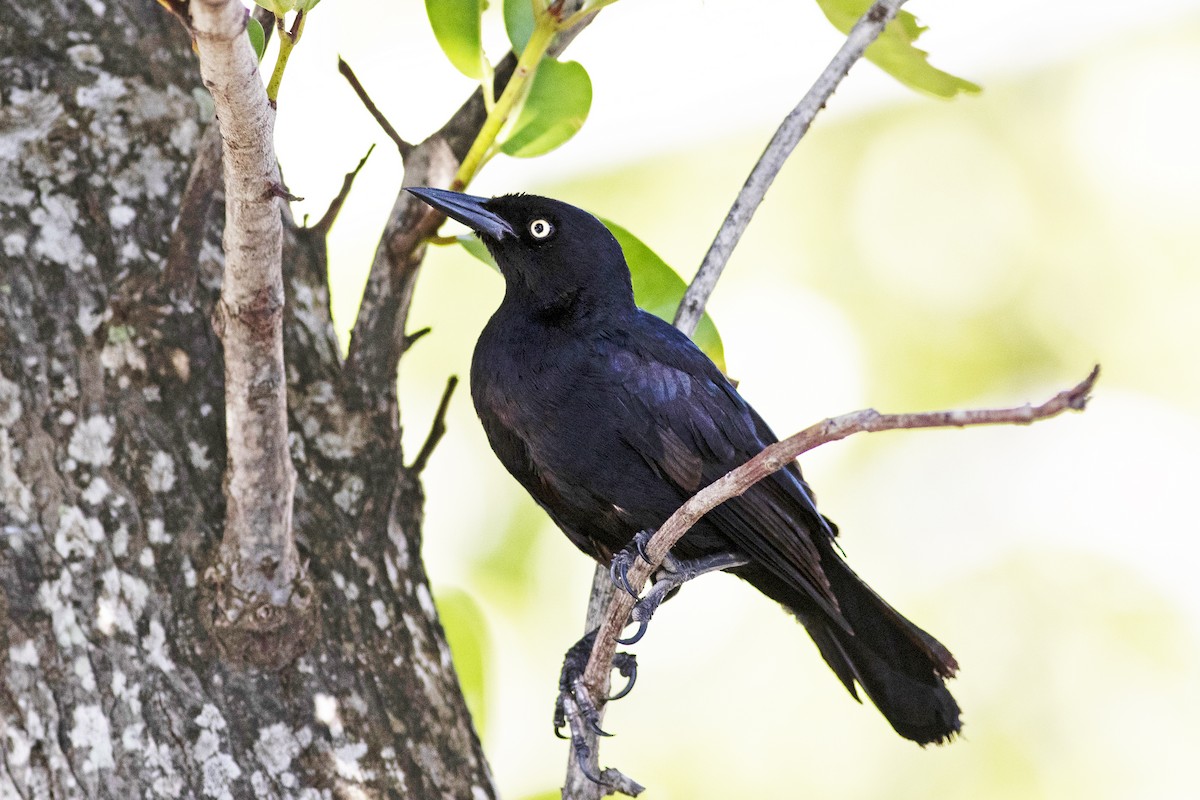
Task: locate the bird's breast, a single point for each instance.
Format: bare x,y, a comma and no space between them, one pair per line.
519,373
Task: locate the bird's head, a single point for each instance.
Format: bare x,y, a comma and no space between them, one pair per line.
554,257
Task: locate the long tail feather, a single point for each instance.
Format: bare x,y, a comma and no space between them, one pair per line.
901,668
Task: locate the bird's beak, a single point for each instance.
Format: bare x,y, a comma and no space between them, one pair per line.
467,209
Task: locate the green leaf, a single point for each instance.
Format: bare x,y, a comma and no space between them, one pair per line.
518,22
894,52
258,38
277,7
306,5
656,287
470,242
560,97
457,27
467,634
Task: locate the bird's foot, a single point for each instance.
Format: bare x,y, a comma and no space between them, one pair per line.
674,573
574,708
623,560
644,609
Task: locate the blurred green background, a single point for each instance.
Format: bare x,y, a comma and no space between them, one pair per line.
914,254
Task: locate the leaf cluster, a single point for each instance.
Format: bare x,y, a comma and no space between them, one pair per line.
543,112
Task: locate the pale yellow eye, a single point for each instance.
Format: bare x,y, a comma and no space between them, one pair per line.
540,229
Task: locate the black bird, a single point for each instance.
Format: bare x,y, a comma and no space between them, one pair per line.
611,418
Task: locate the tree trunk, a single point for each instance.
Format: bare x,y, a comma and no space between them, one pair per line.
112,454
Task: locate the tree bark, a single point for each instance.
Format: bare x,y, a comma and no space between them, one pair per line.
112,454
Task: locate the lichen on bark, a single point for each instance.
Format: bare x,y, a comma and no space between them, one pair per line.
112,454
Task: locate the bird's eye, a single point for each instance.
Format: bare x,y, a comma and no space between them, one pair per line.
540,229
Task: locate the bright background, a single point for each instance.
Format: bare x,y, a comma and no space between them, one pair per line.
914,254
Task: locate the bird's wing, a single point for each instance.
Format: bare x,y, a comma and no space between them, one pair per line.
691,426
564,501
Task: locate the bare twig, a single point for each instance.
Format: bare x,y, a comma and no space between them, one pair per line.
616,782
335,205
283,193
778,456
793,128
416,336
263,603
436,430
404,147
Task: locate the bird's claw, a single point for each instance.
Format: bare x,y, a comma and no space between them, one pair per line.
589,715
640,540
643,624
622,560
560,716
626,664
574,709
642,612
583,757
618,571
574,705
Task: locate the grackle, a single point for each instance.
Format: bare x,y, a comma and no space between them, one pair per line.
611,419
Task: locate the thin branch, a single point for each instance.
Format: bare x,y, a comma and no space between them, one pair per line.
416,336
778,456
288,39
263,605
793,128
404,147
283,193
436,430
335,205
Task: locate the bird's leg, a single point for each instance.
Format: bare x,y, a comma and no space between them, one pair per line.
674,573
574,707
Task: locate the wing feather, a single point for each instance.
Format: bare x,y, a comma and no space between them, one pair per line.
694,427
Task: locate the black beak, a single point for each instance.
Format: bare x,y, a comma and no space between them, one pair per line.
467,209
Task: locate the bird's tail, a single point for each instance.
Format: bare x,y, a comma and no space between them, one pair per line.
901,668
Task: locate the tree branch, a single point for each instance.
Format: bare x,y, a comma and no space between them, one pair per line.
378,337
778,456
404,147
437,428
262,600
335,205
789,134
